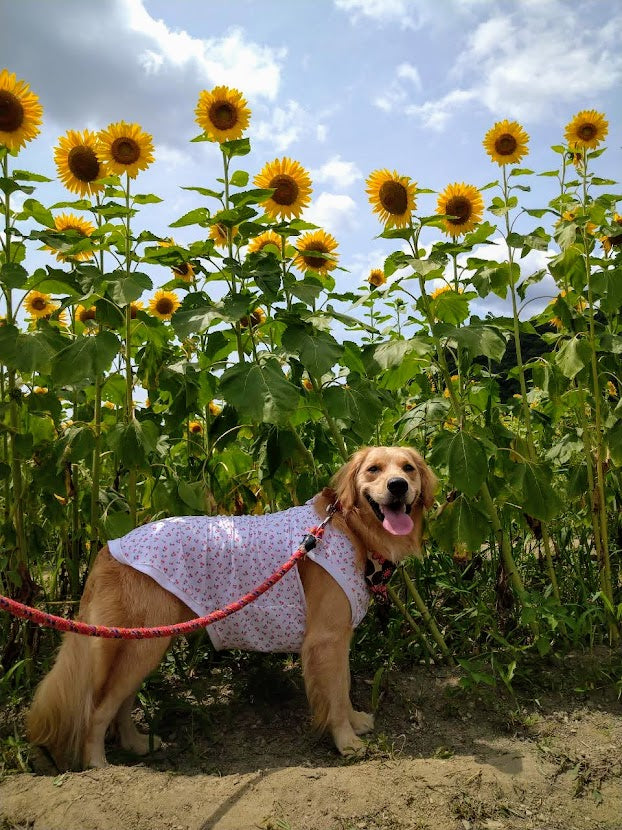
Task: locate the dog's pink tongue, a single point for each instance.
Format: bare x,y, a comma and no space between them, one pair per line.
397,523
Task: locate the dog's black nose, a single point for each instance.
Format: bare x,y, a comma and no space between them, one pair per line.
397,486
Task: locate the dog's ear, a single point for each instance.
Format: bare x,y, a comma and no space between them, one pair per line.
344,480
429,481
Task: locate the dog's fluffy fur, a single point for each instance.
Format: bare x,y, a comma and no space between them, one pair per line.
93,681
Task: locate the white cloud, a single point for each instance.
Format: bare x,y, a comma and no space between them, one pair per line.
286,125
409,73
521,65
337,172
382,11
333,212
153,74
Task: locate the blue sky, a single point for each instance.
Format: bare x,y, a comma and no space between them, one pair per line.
343,86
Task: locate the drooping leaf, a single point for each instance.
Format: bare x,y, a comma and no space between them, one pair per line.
467,463
260,391
85,358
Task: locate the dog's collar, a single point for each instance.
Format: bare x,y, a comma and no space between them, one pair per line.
378,572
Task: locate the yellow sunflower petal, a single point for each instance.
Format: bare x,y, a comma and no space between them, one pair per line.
71,222
587,129
506,142
291,184
314,243
39,305
222,113
266,238
20,112
463,207
125,148
376,277
392,197
76,160
164,304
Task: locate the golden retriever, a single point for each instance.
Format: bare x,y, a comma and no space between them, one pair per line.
382,493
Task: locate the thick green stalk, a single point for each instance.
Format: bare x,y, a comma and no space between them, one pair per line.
410,620
427,617
129,378
546,539
14,397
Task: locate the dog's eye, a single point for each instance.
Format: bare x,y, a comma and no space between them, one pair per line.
408,468
373,469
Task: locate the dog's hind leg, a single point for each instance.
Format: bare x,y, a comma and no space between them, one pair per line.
131,662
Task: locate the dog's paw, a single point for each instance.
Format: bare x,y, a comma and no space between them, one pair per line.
361,722
139,744
355,748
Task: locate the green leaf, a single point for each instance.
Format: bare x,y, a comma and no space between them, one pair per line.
27,176
467,463
85,358
146,199
539,498
462,525
450,307
239,178
240,147
13,275
126,289
198,216
260,391
192,493
614,442
39,213
318,350
79,443
33,353
573,356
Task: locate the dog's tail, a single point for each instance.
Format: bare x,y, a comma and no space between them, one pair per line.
61,710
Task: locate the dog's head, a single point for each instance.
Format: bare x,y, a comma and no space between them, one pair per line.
386,488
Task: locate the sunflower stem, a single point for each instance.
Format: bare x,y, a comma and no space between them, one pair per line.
129,378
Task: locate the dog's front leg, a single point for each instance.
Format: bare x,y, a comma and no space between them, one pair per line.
325,653
325,670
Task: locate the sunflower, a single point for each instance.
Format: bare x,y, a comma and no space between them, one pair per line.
587,129
82,313
223,114
291,184
266,238
214,408
135,308
20,112
256,318
392,197
312,244
307,384
506,142
462,207
164,304
71,222
218,233
195,427
39,305
76,160
376,277
125,148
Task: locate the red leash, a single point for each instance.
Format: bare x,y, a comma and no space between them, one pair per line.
18,609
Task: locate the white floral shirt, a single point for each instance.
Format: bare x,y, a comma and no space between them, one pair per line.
211,561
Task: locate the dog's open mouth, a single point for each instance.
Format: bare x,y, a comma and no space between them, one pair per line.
394,516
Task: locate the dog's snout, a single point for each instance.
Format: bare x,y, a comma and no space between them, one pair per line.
397,486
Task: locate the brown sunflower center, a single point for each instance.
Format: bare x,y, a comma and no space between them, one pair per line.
86,314
223,115
587,132
38,303
83,163
183,270
125,150
285,189
393,197
315,262
460,208
165,305
11,112
506,144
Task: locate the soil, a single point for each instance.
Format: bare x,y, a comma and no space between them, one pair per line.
238,754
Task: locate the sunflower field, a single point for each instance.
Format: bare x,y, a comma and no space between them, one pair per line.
140,378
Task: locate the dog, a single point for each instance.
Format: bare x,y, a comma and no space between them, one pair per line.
381,494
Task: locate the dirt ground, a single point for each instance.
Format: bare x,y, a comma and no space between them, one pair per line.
239,755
